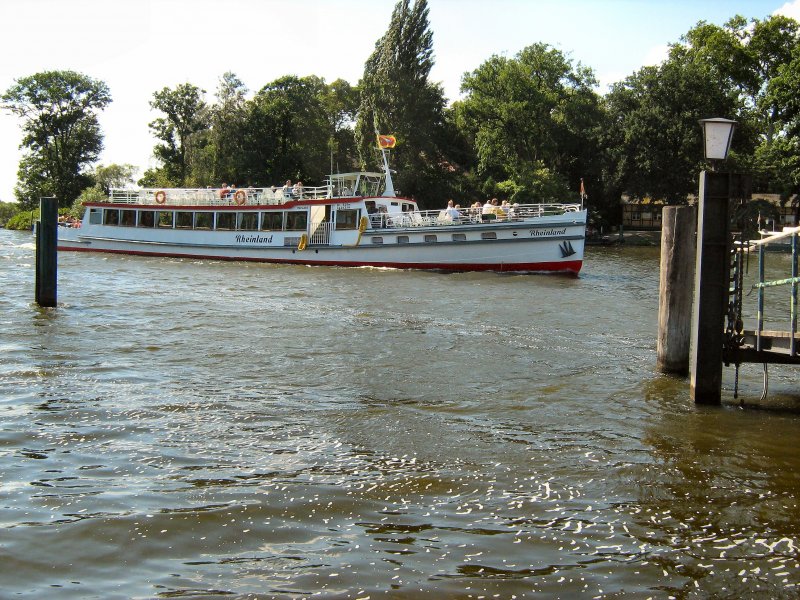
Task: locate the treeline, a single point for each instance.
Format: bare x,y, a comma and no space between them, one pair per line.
528,128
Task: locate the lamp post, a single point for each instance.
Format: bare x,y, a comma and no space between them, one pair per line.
712,263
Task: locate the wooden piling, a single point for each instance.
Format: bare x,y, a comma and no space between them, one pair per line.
47,253
676,288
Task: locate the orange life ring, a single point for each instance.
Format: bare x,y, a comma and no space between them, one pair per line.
239,197
161,196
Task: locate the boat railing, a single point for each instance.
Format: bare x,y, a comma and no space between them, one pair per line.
434,218
215,196
321,232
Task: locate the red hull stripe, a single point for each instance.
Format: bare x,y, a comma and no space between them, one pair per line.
567,266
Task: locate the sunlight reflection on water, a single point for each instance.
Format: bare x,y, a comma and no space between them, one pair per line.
196,429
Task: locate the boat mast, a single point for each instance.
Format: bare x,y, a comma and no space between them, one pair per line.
389,188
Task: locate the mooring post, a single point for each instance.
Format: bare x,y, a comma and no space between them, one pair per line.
711,287
47,253
676,289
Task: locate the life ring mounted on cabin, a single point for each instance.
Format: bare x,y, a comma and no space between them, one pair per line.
161,197
303,243
239,197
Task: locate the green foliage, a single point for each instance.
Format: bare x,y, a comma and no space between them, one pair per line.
531,120
397,98
61,132
23,220
114,176
7,210
183,130
287,135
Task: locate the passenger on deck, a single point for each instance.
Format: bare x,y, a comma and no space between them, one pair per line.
452,211
224,191
488,208
287,189
297,190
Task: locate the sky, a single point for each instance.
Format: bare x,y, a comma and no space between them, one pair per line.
138,47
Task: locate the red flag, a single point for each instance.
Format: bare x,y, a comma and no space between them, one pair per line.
583,190
386,141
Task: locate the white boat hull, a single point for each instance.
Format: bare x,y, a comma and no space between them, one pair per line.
550,244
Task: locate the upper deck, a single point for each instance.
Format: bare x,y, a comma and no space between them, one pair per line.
340,185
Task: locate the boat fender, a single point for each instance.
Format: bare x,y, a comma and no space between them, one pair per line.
303,243
239,197
362,225
161,196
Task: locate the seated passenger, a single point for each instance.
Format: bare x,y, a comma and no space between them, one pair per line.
297,190
224,191
287,189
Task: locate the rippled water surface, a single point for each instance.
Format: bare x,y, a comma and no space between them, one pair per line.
189,429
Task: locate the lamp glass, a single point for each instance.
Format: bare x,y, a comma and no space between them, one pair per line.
717,134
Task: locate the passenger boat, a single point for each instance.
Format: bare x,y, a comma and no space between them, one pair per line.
354,220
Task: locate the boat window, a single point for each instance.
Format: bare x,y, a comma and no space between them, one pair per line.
296,221
165,218
183,220
127,218
402,239
111,216
370,204
459,237
377,240
203,220
408,207
226,220
430,238
489,235
95,216
147,218
247,221
272,221
347,218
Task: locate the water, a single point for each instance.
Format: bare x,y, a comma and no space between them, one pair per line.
190,429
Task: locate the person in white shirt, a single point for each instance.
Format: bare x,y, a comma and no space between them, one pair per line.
452,211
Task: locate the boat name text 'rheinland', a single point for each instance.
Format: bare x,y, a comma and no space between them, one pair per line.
253,239
547,232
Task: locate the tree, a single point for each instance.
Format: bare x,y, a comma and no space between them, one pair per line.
652,138
61,132
397,98
180,130
287,134
228,126
532,120
114,176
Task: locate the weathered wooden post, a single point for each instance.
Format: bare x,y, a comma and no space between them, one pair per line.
47,253
676,289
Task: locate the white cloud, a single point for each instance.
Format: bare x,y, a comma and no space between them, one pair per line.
790,9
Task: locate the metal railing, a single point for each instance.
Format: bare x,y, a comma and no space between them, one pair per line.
432,218
321,233
215,196
793,233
